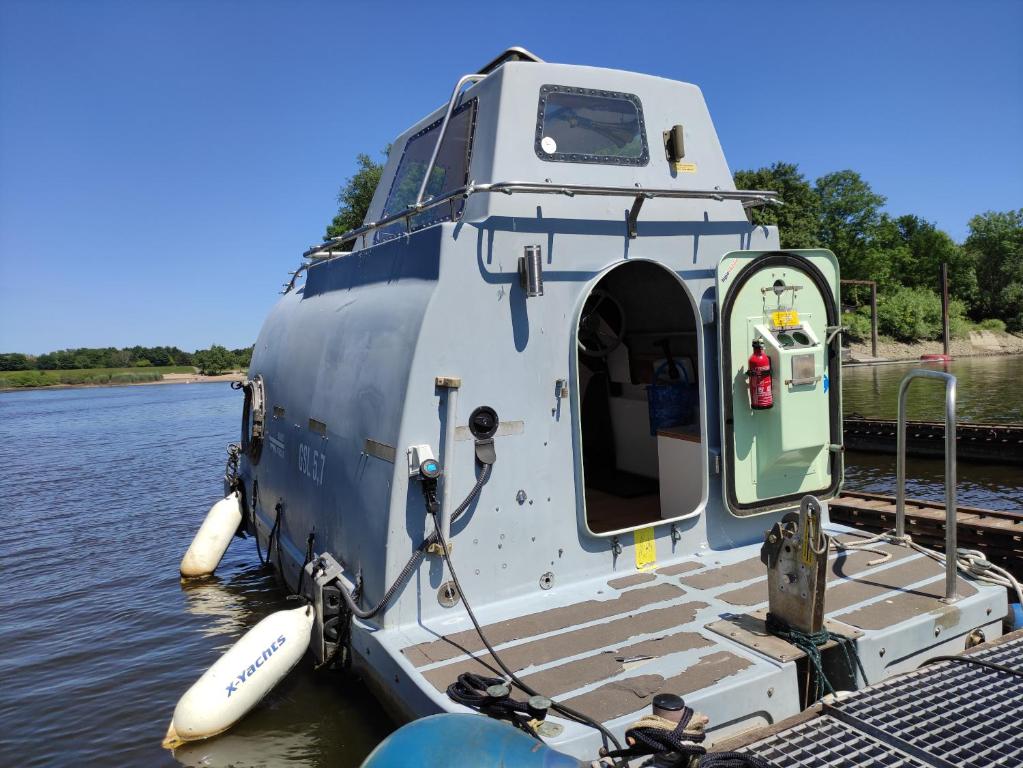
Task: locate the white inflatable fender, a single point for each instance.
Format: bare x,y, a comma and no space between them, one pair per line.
240,678
213,537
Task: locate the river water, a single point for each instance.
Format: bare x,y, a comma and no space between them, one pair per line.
103,489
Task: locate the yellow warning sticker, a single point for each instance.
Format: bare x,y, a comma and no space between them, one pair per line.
785,319
646,549
685,167
810,535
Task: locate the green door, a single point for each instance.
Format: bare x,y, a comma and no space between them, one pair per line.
789,301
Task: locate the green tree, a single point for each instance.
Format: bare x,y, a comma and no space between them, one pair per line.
929,248
14,361
850,215
242,357
797,219
355,196
995,243
212,361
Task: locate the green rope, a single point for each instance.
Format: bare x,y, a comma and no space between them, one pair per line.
810,643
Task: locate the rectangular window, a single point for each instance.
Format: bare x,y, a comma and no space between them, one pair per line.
450,171
583,125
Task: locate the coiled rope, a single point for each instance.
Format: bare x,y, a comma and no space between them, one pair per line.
654,735
491,696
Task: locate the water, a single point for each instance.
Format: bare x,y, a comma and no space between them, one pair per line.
988,390
103,489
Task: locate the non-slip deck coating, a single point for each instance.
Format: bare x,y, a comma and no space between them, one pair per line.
607,650
450,646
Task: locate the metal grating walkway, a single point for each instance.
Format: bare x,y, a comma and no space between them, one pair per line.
946,715
825,742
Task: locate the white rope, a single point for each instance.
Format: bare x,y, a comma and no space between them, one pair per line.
972,562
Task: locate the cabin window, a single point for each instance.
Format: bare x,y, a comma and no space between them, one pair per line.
583,125
450,171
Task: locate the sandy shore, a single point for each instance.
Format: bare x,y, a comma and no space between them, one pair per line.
978,343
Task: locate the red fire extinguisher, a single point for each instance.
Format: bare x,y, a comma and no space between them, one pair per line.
759,373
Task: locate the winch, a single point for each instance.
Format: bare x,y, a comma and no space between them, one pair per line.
796,555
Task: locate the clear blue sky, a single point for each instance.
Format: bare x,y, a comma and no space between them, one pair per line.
164,164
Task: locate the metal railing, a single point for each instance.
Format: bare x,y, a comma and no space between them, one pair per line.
748,197
951,545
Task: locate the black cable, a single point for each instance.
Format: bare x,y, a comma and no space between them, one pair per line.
571,714
974,660
417,556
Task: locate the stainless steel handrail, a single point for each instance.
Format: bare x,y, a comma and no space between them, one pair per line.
951,523
749,198
444,129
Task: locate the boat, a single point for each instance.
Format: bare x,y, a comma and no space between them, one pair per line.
556,428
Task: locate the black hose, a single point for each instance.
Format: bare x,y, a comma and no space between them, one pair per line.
417,556
571,714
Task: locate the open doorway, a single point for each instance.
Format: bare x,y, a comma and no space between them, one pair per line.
640,412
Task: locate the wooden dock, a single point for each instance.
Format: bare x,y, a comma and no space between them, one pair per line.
998,534
993,443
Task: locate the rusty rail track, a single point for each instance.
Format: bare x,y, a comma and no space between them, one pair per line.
998,534
994,443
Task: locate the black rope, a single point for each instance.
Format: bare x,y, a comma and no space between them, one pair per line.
978,662
471,690
255,526
308,558
275,531
649,740
810,643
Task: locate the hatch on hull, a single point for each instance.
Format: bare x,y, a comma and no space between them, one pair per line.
790,445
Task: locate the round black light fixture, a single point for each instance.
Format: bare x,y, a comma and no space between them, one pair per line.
483,422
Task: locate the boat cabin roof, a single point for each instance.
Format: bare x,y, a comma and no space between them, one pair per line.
522,125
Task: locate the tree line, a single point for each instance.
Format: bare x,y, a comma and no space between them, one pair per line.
840,211
214,359
903,254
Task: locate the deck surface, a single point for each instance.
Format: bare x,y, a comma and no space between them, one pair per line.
646,633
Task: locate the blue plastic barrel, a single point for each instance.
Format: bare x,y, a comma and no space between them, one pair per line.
1015,616
452,741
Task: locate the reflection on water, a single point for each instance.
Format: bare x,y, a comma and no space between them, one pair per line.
103,490
988,390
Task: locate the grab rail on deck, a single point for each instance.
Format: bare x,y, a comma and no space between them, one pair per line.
336,245
951,583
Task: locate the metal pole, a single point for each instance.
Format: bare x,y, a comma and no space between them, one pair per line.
873,319
900,459
951,521
450,416
944,306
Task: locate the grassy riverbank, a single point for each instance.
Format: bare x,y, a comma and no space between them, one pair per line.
89,376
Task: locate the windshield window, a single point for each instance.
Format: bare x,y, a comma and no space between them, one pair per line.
582,125
450,172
